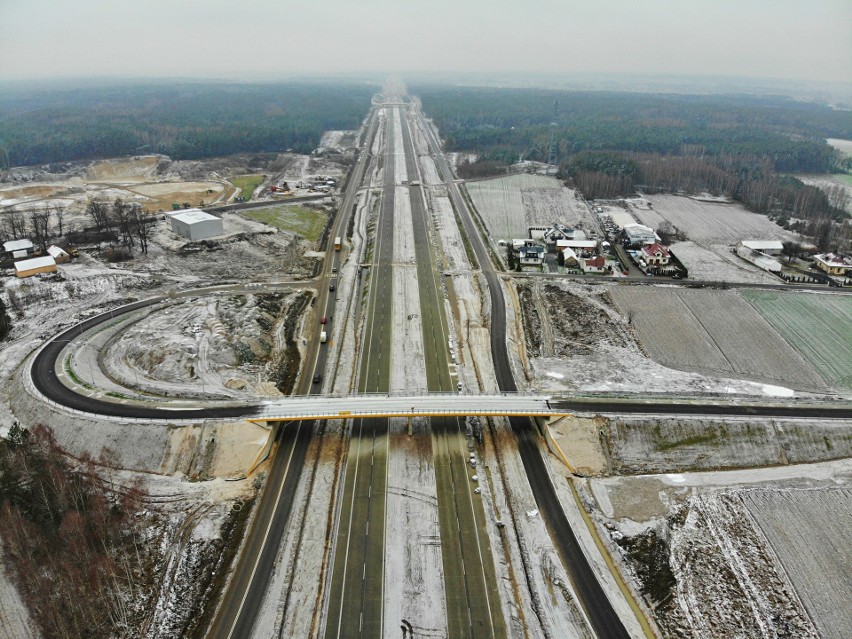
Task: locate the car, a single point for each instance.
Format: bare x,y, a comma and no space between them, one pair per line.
317,378
331,288
334,269
677,277
324,320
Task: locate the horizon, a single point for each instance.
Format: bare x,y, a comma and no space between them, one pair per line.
775,41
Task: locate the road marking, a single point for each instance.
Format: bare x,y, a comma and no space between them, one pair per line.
265,534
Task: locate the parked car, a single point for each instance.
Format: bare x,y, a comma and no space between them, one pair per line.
317,378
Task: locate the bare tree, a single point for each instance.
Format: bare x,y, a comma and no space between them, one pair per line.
14,224
123,218
141,226
99,211
40,226
59,213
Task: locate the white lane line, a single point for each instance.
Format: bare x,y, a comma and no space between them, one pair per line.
265,535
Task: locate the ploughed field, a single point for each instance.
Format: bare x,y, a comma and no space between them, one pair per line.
715,333
710,222
815,556
818,326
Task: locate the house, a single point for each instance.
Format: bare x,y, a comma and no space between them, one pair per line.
28,268
60,256
518,243
531,255
639,235
655,254
18,248
552,234
833,264
593,264
195,224
767,247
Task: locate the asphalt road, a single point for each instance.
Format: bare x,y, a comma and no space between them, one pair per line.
470,582
602,617
356,595
242,601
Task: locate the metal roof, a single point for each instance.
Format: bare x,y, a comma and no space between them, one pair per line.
36,262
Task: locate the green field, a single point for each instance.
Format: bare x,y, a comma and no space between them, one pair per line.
301,220
248,183
818,326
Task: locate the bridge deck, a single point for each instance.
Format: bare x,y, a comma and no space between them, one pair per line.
432,405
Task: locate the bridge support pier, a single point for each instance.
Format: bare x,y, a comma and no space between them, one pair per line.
267,447
543,425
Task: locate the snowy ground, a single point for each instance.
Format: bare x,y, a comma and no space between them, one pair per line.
15,621
718,263
733,553
709,222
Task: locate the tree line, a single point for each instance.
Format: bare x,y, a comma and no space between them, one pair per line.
77,545
612,144
183,121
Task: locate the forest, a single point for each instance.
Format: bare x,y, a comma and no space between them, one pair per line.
184,120
611,144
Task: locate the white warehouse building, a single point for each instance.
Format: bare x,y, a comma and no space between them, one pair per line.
195,224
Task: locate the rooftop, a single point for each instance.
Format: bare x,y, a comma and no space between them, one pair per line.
17,245
36,262
191,216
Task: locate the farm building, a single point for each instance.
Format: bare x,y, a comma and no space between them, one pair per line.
833,264
768,247
570,257
639,234
58,254
577,245
531,255
18,248
761,260
593,264
655,254
28,268
195,224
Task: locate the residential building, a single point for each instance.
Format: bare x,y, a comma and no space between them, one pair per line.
195,224
833,264
531,255
593,264
655,254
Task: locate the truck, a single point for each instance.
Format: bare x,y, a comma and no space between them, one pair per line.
337,243
323,337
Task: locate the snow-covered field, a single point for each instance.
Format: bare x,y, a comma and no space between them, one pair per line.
733,553
817,558
709,222
501,206
841,145
718,263
715,333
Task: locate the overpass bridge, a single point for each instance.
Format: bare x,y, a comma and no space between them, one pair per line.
426,405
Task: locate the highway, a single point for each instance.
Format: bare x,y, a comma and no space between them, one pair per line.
355,606
473,604
241,602
602,617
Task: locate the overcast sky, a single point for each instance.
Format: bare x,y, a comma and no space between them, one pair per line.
796,39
